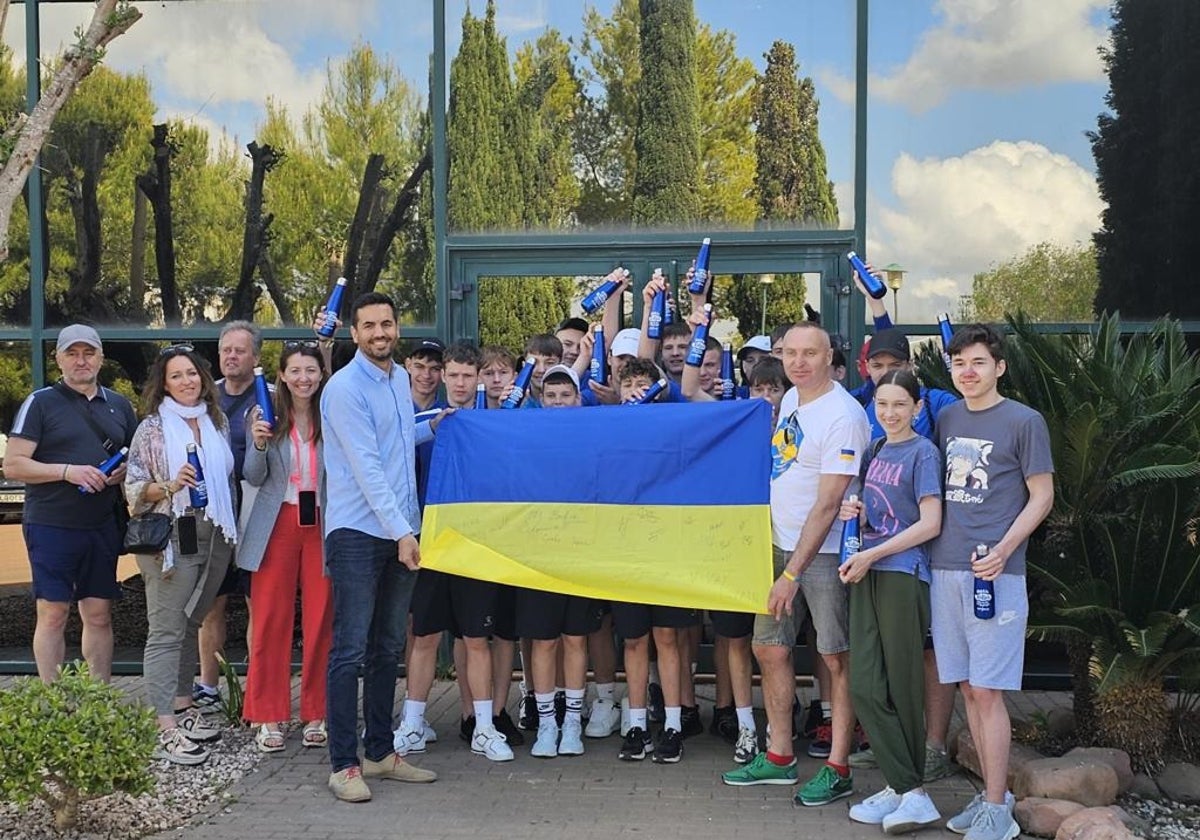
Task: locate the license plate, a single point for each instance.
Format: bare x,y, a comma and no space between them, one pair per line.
12,498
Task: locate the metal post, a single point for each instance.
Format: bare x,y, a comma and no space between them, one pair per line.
38,245
441,162
762,326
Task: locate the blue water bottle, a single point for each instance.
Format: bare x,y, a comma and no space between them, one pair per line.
598,368
947,331
695,356
985,591
873,284
600,295
481,396
109,465
657,319
728,388
700,274
199,493
851,538
651,393
262,395
668,309
333,309
517,395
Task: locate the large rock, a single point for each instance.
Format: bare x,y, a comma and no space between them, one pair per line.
1020,755
1094,824
1040,816
1144,787
1118,760
967,757
1060,722
1180,782
1090,783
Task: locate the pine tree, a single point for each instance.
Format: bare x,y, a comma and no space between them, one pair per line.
1147,151
667,143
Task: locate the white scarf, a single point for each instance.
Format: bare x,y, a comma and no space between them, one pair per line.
216,459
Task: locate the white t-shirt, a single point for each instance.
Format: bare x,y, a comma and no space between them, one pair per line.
824,437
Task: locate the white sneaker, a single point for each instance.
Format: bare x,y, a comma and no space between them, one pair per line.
430,734
546,745
746,747
604,719
491,745
571,742
875,808
196,727
408,739
916,811
960,823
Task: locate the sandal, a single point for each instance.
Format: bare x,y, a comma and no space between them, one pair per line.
269,740
314,734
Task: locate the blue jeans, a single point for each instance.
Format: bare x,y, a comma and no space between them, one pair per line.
371,595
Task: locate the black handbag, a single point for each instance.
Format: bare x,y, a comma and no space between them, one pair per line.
148,533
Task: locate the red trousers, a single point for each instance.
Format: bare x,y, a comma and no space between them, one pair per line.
292,560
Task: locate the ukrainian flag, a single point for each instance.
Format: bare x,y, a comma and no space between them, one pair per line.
660,504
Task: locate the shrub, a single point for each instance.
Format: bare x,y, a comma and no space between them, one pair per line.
71,740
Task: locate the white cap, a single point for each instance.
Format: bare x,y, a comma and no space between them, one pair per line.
570,373
759,342
625,343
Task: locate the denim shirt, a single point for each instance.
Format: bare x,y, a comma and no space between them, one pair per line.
370,440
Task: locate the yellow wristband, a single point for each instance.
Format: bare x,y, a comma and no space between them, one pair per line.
788,575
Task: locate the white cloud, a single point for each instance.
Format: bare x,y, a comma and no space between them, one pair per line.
992,45
957,216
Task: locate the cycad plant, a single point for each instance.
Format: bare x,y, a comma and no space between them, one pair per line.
1120,576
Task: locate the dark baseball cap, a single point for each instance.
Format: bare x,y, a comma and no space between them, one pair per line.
428,347
890,341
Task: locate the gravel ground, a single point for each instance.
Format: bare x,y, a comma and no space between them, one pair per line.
1165,820
180,794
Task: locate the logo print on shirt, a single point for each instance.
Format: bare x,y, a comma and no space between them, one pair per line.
785,445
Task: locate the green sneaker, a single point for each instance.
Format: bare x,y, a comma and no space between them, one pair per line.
863,759
825,787
761,771
937,764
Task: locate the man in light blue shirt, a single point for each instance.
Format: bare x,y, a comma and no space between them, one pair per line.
371,520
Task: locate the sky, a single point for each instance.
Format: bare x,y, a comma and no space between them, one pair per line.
977,119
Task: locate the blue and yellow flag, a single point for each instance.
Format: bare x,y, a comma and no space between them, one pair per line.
663,504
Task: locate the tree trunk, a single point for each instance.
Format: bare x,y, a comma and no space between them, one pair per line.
137,257
254,239
405,199
368,200
108,21
1084,698
157,187
282,305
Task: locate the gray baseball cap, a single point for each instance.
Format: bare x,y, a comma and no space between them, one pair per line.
78,334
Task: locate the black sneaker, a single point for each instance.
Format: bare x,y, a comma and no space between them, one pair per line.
466,728
725,724
690,723
529,716
669,748
823,742
814,719
560,707
636,744
505,726
656,709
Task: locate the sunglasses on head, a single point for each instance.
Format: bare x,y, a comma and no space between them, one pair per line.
176,350
307,344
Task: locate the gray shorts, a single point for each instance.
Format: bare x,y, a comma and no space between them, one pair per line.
985,653
821,594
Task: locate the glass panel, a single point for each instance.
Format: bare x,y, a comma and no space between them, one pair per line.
568,132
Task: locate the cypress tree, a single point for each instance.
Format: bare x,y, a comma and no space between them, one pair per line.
1147,152
666,143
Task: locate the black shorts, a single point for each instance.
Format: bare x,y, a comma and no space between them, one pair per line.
632,621
235,582
70,564
464,606
506,613
548,615
731,625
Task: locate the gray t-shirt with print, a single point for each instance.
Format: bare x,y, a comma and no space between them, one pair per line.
989,455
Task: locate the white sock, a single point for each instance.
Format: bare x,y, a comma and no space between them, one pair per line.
654,673
637,718
606,691
673,721
545,707
574,704
414,714
483,715
745,717
207,689
826,710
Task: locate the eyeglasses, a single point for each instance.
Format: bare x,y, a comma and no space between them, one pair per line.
176,350
308,344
